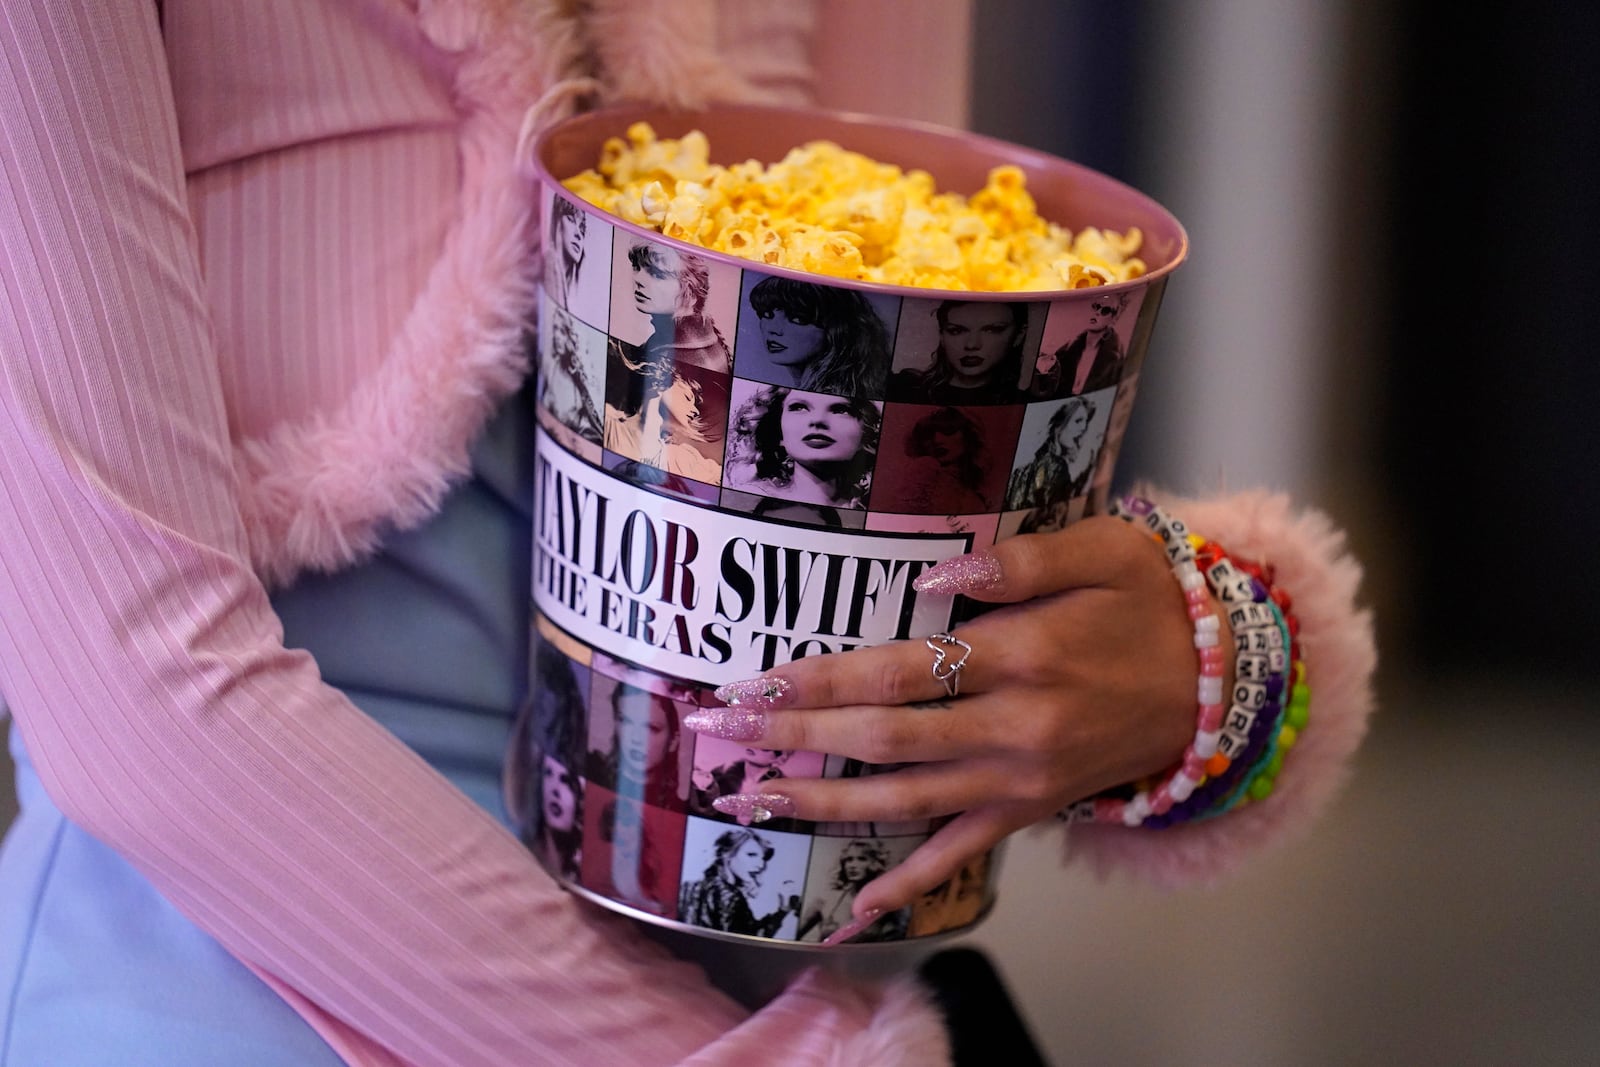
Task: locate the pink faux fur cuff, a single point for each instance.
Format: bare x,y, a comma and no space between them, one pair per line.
1337,640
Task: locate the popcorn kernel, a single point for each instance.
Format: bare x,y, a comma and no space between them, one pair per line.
831,211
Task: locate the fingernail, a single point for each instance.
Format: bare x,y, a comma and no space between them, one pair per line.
853,928
761,692
754,807
729,724
975,572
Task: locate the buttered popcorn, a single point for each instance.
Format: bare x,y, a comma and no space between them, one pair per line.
831,211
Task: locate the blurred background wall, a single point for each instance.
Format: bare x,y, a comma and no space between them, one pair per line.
1387,310
1373,193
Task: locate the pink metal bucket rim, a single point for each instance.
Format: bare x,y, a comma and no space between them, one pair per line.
622,907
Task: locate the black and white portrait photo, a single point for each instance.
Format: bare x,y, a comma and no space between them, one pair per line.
964,352
840,868
743,880
820,338
577,261
543,785
668,371
945,460
571,368
792,444
1086,345
1056,451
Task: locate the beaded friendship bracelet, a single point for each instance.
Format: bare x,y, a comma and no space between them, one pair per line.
1256,708
1257,783
1238,748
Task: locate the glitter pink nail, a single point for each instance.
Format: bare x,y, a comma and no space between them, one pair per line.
976,572
764,692
853,928
730,724
754,807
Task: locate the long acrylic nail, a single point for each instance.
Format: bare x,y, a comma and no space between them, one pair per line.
975,572
764,692
754,807
853,928
730,724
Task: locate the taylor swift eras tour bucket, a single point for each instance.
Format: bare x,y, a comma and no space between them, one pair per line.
740,463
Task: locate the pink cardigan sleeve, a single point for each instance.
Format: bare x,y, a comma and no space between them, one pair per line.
1336,639
146,670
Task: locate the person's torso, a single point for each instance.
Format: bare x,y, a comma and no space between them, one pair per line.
321,146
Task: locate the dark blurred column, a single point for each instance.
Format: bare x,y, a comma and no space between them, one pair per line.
1062,77
1494,368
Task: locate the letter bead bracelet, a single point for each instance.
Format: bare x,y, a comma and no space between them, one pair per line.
1239,744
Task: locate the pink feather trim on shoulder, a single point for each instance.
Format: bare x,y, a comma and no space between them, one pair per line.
319,494
1341,655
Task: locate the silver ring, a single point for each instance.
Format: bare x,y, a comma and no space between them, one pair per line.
944,669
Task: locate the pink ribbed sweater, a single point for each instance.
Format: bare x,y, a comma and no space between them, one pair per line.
261,280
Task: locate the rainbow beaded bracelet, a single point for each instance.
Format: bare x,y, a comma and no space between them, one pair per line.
1257,784
1238,748
1255,713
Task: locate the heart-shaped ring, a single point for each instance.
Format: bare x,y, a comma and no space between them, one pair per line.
944,669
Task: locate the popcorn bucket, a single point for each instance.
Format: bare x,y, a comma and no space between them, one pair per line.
739,465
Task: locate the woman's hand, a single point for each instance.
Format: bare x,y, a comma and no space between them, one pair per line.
1086,681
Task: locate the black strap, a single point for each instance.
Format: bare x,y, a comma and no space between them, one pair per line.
985,1024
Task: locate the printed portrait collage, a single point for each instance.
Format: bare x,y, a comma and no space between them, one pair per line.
805,404
615,797
821,405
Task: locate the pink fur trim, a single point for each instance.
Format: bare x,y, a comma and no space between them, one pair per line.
663,52
318,494
905,1029
1341,655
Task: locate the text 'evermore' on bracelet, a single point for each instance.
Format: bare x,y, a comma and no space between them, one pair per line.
1270,655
